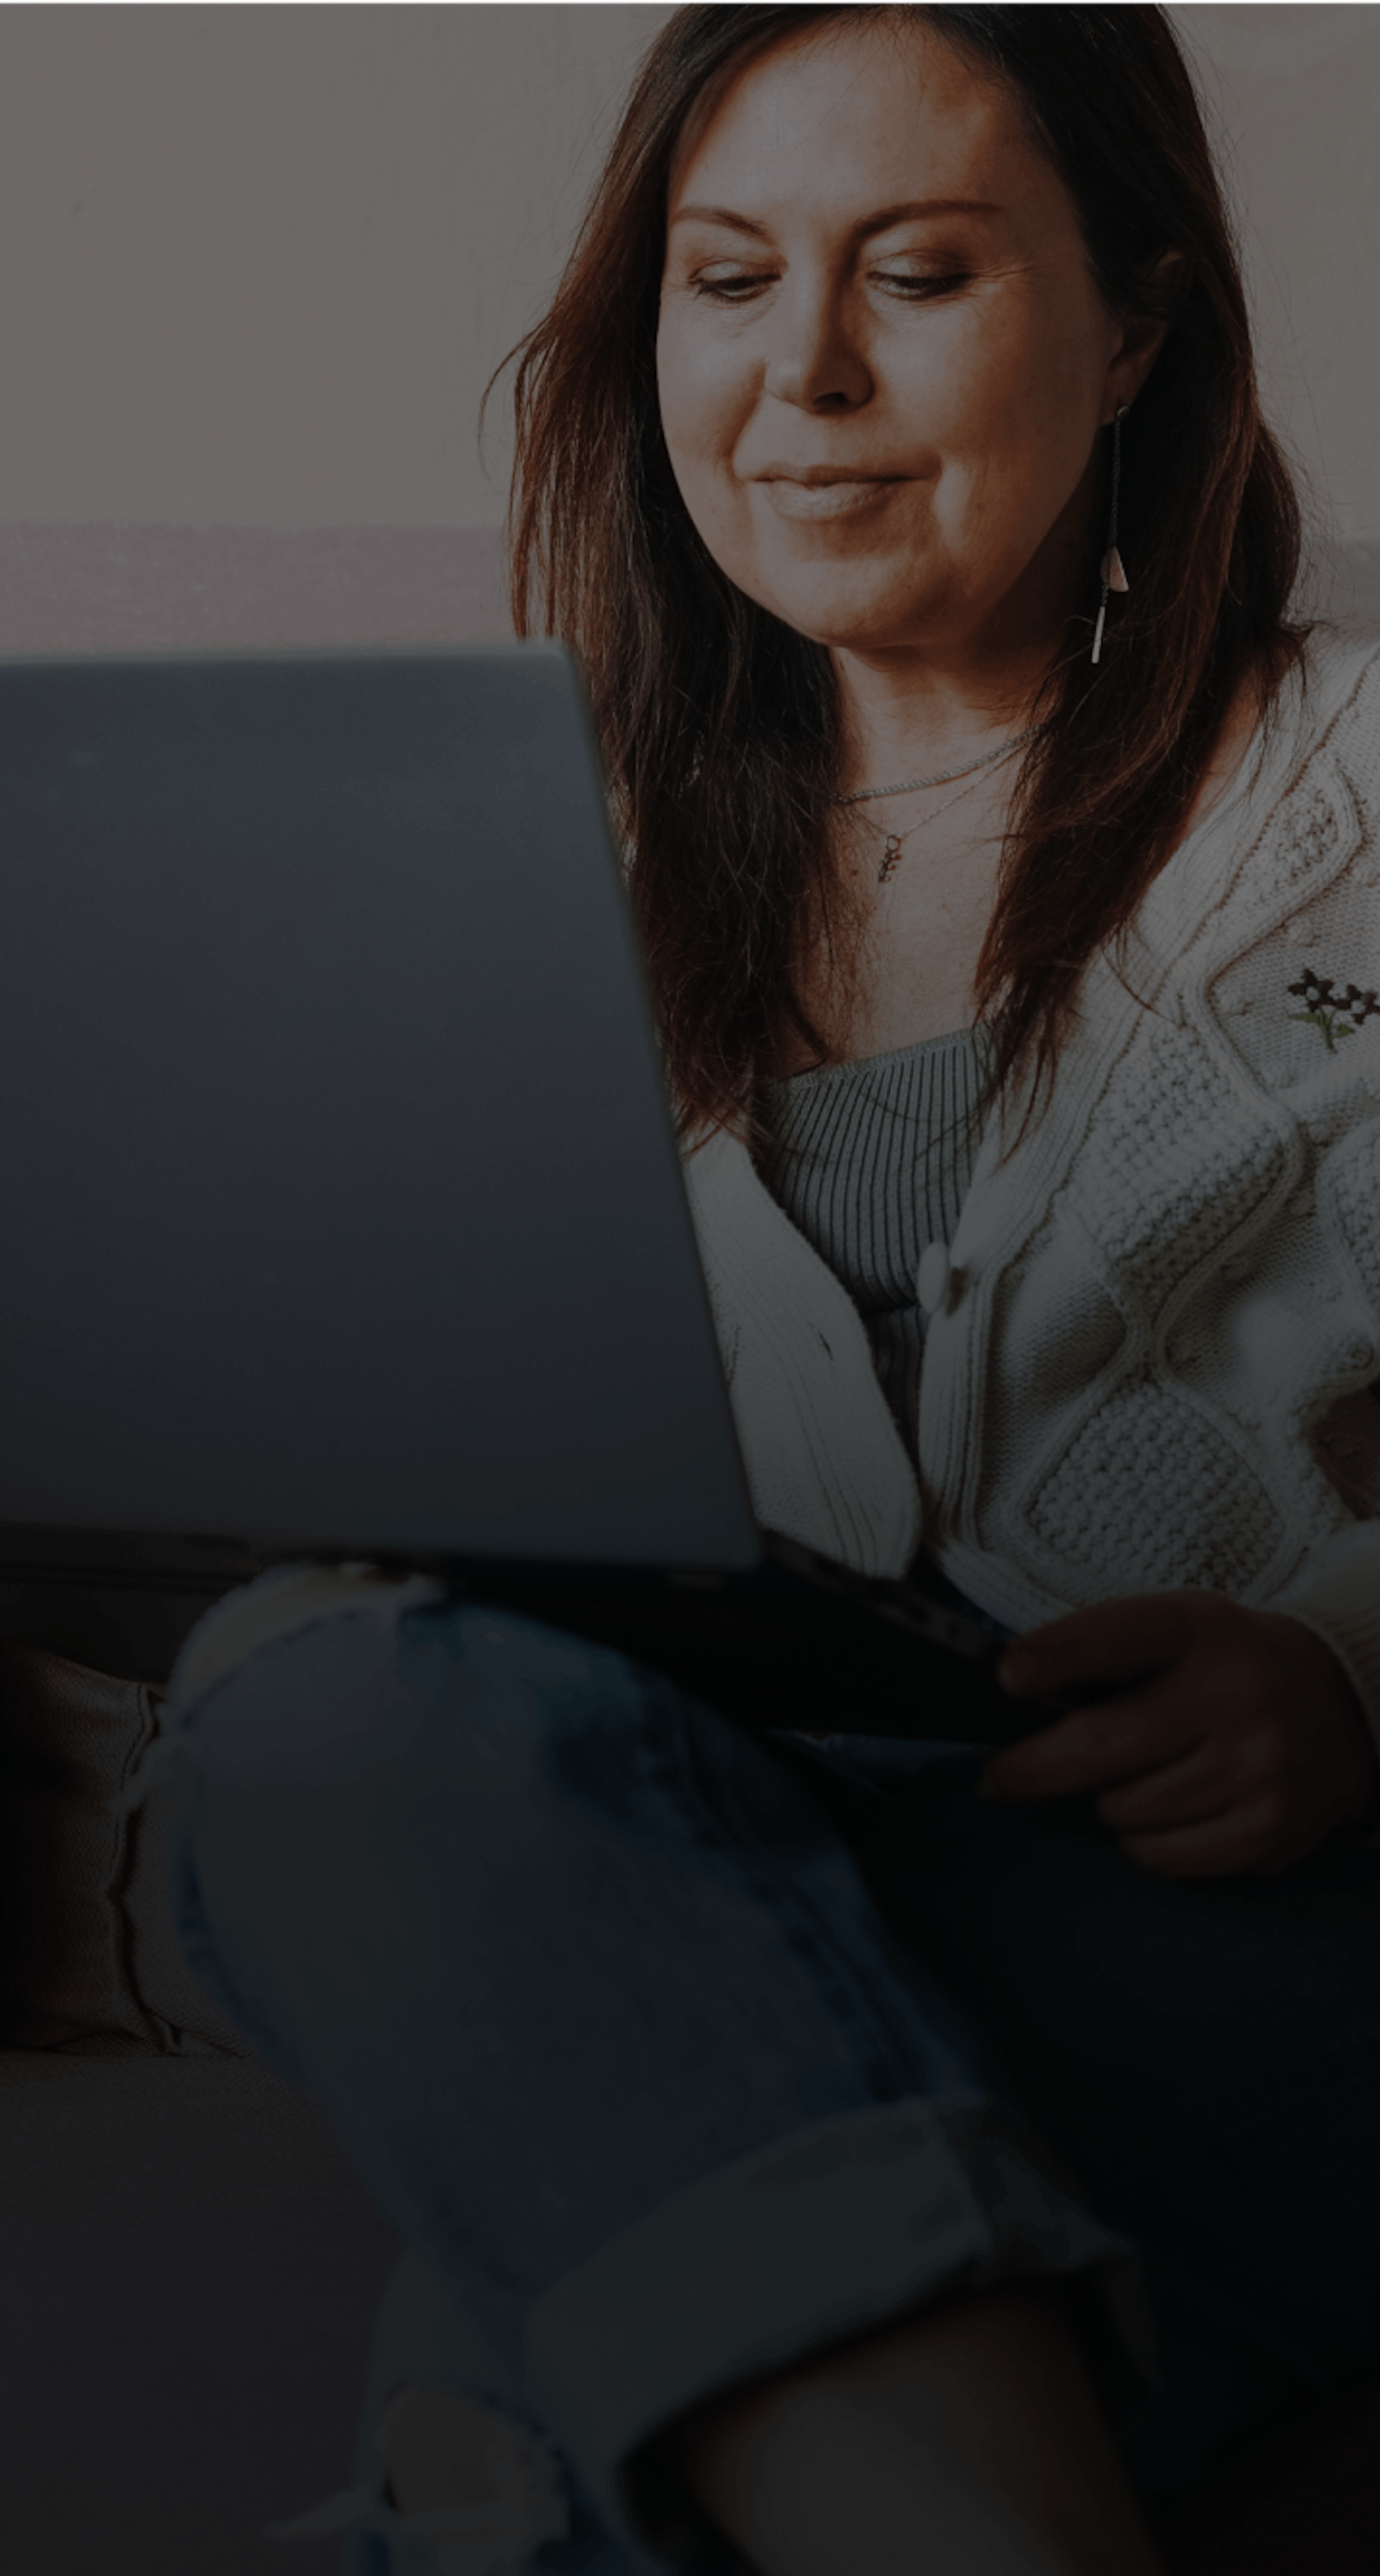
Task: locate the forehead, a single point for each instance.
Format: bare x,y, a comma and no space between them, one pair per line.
876,109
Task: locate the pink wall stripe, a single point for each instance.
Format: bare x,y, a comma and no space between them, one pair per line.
102,588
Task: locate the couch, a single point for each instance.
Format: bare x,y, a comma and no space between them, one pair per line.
190,2265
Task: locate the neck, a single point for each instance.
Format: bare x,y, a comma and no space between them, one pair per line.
914,707
904,715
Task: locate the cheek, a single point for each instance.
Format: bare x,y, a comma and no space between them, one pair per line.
702,399
1066,372
1022,420
1017,393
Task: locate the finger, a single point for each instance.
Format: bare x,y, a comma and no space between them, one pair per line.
1177,1793
1097,1748
1250,1839
1116,1641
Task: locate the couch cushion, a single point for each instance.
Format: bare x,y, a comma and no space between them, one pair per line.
191,2268
89,1961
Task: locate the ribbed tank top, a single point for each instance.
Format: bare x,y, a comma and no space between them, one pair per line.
871,1161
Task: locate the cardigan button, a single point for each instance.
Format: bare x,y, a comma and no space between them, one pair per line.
932,1277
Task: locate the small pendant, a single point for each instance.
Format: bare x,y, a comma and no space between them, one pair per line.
1113,571
1097,639
891,851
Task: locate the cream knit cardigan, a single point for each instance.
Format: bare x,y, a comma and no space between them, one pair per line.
1156,1357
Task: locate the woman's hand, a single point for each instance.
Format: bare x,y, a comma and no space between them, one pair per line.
1235,1743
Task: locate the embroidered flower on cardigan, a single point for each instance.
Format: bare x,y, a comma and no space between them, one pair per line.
1337,1015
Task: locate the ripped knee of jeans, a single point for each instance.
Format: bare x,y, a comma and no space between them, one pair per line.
472,2492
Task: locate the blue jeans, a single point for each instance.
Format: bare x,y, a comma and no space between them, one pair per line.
675,2053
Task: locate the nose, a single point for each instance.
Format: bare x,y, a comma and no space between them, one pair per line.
816,363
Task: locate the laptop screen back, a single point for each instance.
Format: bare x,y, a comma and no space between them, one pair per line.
340,1200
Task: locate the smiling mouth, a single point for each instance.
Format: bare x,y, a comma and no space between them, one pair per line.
818,477
829,495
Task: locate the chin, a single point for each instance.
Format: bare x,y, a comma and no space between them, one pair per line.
848,623
863,606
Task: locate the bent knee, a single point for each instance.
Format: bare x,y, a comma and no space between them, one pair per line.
443,1686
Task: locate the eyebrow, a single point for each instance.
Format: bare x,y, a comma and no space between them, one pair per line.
878,223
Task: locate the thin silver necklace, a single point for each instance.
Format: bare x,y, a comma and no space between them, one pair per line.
941,778
892,841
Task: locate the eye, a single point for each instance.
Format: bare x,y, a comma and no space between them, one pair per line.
919,288
727,286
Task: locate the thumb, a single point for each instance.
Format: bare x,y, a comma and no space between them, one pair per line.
1112,1644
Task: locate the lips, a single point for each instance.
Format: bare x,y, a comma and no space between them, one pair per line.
825,492
813,476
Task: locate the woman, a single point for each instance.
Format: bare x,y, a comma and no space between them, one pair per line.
808,2163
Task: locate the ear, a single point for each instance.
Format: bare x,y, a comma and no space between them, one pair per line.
1145,326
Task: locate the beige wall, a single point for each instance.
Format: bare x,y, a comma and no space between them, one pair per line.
256,262
1295,96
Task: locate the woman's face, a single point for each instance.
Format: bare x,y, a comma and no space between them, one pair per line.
882,358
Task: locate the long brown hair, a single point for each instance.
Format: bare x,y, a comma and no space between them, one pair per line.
720,725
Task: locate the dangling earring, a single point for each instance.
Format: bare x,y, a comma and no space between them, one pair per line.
1113,570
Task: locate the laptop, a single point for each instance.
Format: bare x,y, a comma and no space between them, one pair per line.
342,1206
